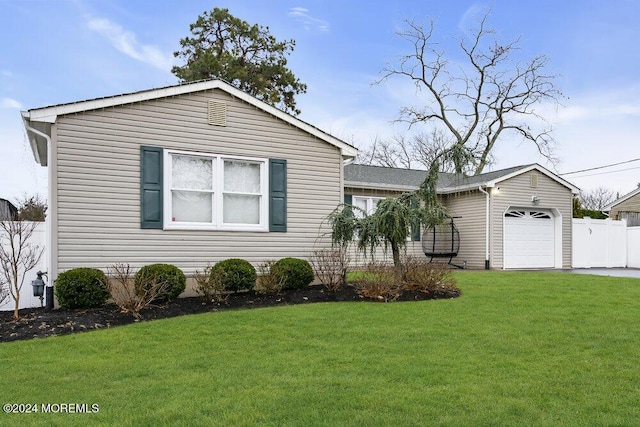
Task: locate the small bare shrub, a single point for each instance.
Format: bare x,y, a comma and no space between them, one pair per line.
379,281
210,285
330,267
435,278
123,291
268,283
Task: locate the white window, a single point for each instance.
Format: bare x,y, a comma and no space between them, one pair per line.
206,191
367,204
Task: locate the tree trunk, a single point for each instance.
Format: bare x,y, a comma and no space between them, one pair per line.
395,251
16,314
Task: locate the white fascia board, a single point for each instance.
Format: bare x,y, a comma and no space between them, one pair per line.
50,114
32,137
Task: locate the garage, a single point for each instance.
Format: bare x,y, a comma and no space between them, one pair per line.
529,238
514,218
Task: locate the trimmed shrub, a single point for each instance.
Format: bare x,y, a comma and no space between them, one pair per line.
293,273
167,276
235,274
82,288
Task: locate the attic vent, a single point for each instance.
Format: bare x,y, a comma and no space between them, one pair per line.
533,178
216,113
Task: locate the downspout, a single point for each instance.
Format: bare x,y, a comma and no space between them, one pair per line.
49,238
486,237
345,162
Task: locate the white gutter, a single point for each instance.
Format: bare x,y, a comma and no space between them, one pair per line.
32,142
486,237
53,273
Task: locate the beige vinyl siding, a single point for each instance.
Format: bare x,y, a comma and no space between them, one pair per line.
632,204
471,208
97,189
517,192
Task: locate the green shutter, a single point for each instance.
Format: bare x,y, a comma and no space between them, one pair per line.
150,187
348,199
277,195
415,227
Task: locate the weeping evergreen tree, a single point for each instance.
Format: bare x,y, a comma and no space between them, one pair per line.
390,225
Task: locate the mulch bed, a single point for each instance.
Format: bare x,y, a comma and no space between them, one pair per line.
39,323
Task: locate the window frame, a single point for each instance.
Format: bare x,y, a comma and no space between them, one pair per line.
217,193
370,205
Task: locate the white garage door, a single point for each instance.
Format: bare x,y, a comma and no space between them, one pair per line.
529,239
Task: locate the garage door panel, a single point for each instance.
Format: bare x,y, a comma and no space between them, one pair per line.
529,239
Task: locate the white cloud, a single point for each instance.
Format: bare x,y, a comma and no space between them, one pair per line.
126,42
10,103
611,104
302,15
6,73
471,17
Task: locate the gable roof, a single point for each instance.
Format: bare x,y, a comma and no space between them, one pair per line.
378,177
38,121
620,200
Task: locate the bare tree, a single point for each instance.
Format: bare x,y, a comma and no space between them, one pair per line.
427,148
475,105
417,151
18,255
394,153
597,198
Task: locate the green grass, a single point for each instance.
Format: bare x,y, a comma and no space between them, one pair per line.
516,349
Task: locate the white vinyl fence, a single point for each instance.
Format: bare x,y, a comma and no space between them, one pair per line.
604,243
27,299
633,247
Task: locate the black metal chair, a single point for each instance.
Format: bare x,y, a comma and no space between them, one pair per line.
442,241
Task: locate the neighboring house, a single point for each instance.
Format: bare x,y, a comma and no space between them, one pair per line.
626,207
188,174
518,217
7,210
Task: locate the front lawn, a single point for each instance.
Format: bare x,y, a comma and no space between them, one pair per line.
515,349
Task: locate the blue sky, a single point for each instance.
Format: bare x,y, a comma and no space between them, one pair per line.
59,51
